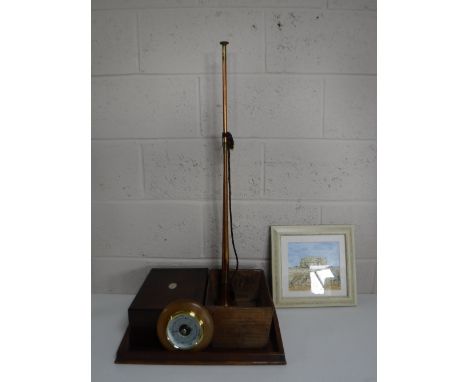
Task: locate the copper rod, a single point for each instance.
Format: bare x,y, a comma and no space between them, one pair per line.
224,64
225,242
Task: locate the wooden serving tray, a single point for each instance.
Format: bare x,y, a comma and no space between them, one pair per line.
271,354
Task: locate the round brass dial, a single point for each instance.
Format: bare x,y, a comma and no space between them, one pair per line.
185,325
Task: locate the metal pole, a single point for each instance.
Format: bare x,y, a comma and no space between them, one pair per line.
225,242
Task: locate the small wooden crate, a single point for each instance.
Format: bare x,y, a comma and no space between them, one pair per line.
247,323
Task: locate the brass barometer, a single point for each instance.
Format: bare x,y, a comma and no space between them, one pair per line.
185,325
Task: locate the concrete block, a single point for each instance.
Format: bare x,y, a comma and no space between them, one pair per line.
192,169
187,40
251,224
314,169
351,107
366,275
263,106
114,45
313,41
364,218
116,171
147,229
113,275
124,4
145,107
353,4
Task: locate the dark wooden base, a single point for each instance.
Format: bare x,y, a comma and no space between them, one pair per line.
271,354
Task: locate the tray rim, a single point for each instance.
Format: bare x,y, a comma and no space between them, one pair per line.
229,357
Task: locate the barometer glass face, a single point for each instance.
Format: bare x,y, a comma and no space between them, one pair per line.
184,330
185,325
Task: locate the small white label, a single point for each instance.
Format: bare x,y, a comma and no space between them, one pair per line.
172,285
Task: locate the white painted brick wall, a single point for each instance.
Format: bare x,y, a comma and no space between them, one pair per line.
364,218
192,169
117,170
252,221
148,4
261,106
302,90
320,169
313,41
145,107
114,45
366,272
187,41
351,110
147,229
352,4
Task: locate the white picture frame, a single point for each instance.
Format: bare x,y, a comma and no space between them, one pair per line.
313,266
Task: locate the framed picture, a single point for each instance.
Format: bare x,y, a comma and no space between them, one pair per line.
313,265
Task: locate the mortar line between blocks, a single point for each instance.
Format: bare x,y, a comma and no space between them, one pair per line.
323,107
138,41
363,10
263,139
247,260
142,162
202,229
176,260
374,284
208,7
273,74
367,260
200,132
264,39
262,173
318,202
247,7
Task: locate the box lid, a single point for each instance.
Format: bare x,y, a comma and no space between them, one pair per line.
164,285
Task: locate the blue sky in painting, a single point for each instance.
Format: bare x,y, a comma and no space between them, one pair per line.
328,249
